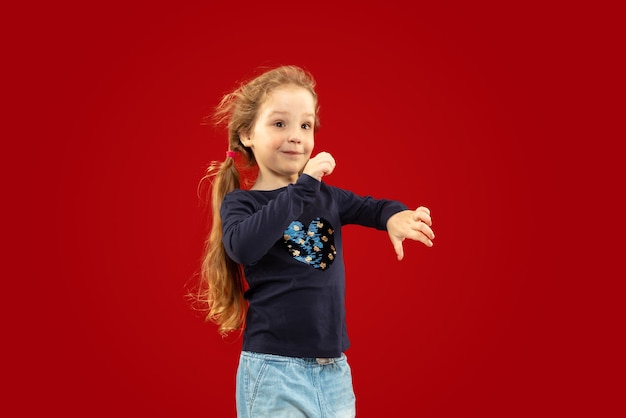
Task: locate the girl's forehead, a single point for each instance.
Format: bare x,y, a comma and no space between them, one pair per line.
288,97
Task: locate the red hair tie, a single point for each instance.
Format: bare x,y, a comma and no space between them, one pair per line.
230,154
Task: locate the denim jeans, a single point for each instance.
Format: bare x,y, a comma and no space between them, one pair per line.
284,387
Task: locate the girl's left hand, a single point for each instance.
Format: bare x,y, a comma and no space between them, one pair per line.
415,225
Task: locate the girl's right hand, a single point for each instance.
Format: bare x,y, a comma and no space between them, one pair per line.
319,166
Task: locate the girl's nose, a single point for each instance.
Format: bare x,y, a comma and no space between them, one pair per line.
295,137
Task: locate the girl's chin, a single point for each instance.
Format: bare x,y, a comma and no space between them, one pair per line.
294,168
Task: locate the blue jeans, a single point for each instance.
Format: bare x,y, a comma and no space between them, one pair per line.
275,386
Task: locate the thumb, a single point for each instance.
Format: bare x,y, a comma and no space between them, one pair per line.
397,246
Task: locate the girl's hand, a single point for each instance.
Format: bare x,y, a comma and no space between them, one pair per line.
415,225
319,166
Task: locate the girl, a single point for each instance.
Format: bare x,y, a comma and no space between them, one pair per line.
273,259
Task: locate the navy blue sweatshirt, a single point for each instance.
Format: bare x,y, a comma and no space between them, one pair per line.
289,242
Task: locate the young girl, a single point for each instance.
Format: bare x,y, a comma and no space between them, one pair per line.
274,260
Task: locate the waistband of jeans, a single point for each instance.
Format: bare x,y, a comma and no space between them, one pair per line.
302,360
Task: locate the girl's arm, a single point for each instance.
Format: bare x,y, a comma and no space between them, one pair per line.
365,210
392,216
249,231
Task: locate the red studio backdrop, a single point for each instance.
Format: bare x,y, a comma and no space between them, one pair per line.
468,110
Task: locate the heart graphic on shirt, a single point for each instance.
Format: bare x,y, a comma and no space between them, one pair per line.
314,245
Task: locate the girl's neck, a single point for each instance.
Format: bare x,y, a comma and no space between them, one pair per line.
272,183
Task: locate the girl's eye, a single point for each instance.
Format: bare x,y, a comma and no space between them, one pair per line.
306,125
279,124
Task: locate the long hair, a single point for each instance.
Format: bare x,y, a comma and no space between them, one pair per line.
222,281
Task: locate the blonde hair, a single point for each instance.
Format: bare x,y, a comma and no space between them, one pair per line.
222,282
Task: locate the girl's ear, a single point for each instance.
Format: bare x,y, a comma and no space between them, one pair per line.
244,137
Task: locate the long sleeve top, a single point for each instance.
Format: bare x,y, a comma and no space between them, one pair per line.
289,243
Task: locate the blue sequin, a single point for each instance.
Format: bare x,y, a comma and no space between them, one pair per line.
314,245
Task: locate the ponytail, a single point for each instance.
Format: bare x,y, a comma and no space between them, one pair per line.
222,282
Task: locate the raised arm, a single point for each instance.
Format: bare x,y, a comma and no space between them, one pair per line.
249,231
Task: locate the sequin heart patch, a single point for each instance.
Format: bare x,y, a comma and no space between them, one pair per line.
314,246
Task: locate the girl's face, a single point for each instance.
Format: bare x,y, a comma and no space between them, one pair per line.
282,137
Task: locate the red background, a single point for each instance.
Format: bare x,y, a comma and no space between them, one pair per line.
496,118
